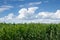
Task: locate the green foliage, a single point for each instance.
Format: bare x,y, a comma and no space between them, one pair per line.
31,31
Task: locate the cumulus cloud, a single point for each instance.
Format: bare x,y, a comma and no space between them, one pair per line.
56,14
49,15
10,16
44,15
7,18
26,12
27,15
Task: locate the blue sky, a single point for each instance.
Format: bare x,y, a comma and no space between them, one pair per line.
20,11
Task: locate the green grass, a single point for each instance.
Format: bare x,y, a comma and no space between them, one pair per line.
31,31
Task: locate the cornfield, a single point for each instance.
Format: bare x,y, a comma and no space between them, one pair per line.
30,31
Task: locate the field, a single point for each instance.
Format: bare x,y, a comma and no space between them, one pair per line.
31,31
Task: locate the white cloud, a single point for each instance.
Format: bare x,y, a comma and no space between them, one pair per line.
56,14
33,21
26,13
44,15
5,7
10,16
35,3
49,15
7,18
32,9
22,13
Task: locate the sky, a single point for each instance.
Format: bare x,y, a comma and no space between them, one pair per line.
27,11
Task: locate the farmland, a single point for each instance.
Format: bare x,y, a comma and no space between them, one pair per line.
31,31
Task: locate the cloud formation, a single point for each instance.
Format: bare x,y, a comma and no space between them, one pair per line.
57,14
26,13
7,18
49,15
44,15
29,15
